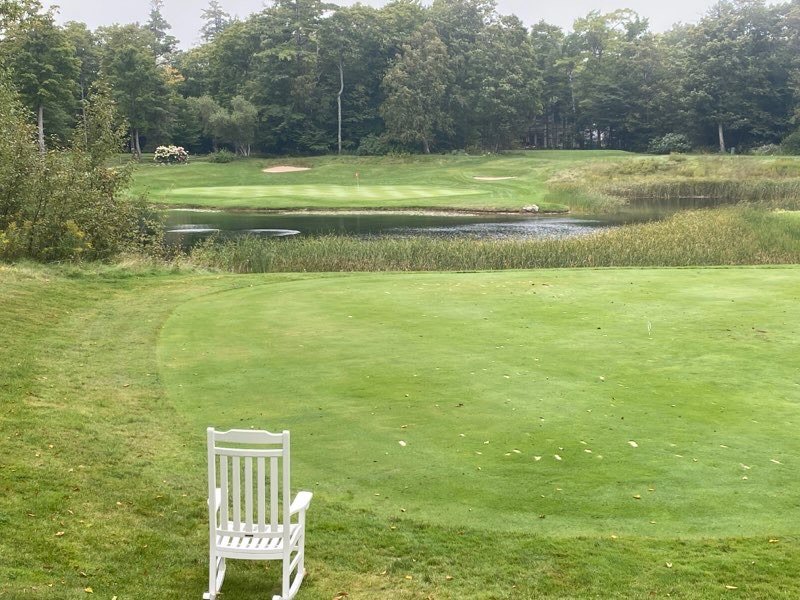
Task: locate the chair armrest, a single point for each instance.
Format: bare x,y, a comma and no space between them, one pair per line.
300,502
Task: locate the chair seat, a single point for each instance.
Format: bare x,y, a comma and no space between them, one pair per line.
253,546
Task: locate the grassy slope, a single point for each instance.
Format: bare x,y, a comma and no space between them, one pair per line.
414,182
94,448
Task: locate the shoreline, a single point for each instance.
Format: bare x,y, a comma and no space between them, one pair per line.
433,212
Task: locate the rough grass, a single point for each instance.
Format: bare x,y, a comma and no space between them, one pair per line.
730,236
96,447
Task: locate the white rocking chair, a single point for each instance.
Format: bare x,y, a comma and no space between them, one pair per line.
248,517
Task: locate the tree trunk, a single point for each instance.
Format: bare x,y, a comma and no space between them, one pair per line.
548,138
339,101
42,148
426,146
721,138
137,149
83,116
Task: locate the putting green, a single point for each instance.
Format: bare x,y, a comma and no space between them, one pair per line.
313,195
648,402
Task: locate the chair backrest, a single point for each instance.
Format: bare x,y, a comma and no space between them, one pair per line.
251,470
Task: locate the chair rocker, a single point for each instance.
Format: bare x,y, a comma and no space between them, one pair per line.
250,510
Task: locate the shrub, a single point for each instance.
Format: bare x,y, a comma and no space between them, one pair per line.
767,150
373,145
671,142
66,204
222,156
791,143
171,155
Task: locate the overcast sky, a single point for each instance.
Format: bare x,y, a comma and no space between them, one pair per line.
184,15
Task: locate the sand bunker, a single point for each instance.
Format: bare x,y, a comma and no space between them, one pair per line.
286,169
493,178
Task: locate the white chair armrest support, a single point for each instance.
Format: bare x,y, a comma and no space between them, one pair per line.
300,502
217,499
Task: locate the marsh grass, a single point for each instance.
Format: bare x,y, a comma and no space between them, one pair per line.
729,236
772,181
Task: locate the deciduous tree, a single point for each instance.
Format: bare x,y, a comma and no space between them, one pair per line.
415,88
45,71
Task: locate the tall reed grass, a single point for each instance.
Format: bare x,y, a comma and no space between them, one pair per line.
729,236
774,182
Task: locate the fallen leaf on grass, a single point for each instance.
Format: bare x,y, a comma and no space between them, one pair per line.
637,497
448,578
633,444
777,462
669,565
773,541
59,533
731,587
402,443
88,590
557,457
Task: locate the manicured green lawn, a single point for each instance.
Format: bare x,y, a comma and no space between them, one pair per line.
537,402
109,379
331,183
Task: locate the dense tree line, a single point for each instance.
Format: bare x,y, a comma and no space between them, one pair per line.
304,76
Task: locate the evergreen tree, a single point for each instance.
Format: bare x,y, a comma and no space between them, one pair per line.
215,21
164,44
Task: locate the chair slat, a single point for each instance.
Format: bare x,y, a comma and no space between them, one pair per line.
223,485
261,495
273,493
237,493
248,493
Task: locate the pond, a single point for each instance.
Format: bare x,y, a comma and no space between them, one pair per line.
188,226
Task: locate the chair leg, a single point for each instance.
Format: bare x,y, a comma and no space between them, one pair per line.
216,575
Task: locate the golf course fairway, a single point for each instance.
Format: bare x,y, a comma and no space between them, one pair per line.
655,403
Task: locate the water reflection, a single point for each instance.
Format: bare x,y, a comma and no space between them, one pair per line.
536,228
188,226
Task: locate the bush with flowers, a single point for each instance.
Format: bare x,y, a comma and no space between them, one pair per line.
171,155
